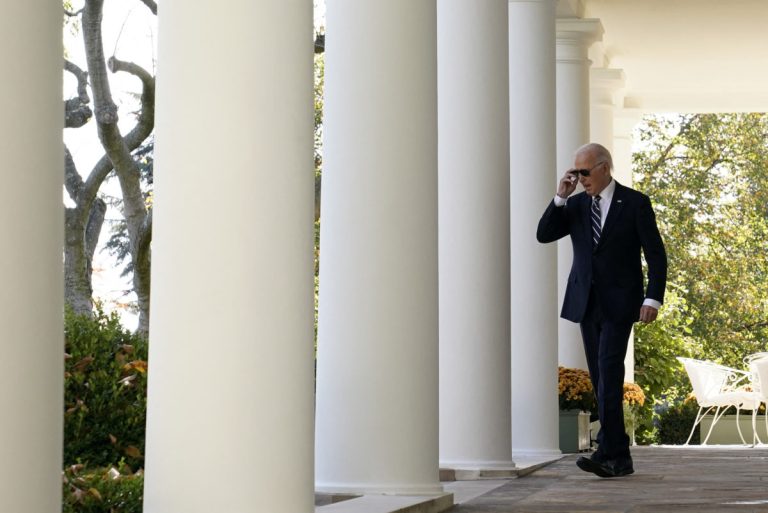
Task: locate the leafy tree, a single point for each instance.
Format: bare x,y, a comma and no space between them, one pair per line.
319,89
707,175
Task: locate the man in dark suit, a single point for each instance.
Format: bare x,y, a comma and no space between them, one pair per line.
609,224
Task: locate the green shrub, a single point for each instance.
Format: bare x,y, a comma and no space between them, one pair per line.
105,392
102,491
675,424
645,425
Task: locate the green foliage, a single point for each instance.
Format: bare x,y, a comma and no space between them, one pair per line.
675,423
643,424
105,392
707,176
658,344
102,490
319,103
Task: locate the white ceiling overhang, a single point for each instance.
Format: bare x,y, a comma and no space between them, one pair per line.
684,55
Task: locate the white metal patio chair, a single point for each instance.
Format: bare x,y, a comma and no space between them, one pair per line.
755,356
758,367
719,387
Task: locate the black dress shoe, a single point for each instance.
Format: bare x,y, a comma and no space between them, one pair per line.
607,468
590,465
619,467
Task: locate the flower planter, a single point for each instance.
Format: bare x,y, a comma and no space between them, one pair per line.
574,431
725,432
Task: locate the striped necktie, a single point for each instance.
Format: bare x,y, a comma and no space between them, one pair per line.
595,215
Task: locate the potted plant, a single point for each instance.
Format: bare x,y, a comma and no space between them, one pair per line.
634,399
576,400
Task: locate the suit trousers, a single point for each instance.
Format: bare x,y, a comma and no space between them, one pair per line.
605,345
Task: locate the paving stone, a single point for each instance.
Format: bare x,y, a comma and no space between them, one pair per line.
666,480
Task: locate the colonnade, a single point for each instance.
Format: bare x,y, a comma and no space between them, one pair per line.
446,127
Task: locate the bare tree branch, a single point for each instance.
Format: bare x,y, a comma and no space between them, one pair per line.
93,229
72,14
151,4
146,120
135,137
84,222
145,235
72,181
116,65
77,112
82,80
117,149
92,184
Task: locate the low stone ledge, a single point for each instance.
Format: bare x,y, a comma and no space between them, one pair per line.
391,504
480,474
324,499
458,474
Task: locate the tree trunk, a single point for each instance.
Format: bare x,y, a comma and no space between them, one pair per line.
118,149
79,250
77,279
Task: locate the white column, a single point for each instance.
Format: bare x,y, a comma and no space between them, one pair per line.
574,36
32,230
606,86
533,266
624,122
474,234
230,425
377,373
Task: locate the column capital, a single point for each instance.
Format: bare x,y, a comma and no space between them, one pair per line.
574,36
606,85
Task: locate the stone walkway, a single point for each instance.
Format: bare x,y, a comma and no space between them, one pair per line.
666,480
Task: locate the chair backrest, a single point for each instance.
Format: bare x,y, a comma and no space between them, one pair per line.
707,379
759,369
755,356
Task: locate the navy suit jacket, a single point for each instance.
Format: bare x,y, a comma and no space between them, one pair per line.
613,268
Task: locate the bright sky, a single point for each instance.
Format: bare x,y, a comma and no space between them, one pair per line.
130,33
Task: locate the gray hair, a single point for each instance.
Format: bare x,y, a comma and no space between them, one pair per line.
599,151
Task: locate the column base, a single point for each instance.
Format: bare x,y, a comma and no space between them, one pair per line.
531,460
373,489
477,470
436,503
326,499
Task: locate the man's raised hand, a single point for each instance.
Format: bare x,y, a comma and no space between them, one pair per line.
568,184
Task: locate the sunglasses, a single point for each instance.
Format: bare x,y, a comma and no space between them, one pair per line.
586,172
